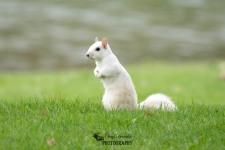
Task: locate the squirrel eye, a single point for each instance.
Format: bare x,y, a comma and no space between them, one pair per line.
97,49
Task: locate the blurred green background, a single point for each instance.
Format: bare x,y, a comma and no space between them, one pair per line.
55,34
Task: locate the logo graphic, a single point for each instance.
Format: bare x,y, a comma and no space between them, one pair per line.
98,137
116,139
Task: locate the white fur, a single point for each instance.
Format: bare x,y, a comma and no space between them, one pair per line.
157,101
120,92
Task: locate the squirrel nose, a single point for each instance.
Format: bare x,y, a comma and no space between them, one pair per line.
87,55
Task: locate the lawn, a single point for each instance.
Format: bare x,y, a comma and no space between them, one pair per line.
62,110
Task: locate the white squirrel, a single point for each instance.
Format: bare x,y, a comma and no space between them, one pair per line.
120,92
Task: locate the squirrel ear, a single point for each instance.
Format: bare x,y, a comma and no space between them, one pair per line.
96,39
104,42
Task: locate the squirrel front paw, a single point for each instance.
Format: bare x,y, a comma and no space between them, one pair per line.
98,74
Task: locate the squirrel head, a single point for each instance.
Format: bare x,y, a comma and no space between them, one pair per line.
98,50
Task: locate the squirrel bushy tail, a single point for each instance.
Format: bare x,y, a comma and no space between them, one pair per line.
158,101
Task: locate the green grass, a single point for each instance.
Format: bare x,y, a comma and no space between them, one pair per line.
66,107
